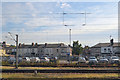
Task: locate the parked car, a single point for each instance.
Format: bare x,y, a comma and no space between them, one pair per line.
26,59
81,60
75,58
34,59
114,60
93,60
103,60
12,59
44,59
19,59
53,59
46,56
108,57
4,58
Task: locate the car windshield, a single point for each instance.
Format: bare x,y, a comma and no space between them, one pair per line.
37,58
92,58
81,57
115,58
42,58
102,58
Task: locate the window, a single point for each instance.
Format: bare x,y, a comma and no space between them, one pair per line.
105,50
109,50
37,54
62,50
97,50
32,50
57,50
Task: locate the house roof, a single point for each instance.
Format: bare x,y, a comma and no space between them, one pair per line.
105,45
54,45
28,46
44,45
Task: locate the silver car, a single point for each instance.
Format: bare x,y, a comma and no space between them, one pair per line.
34,59
44,59
81,60
114,60
26,59
103,60
93,60
12,59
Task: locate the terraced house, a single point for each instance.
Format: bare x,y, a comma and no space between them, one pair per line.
59,50
38,50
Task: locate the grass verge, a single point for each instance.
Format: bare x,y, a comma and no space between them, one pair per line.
9,67
60,75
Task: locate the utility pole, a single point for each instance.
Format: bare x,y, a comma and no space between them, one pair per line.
16,56
70,37
16,51
111,45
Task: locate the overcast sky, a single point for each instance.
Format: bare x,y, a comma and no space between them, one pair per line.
42,22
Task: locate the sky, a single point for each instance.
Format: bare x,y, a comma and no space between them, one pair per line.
43,22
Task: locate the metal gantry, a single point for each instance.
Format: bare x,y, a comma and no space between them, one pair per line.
64,13
85,13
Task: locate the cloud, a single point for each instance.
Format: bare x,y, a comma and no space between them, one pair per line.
13,13
62,4
41,22
31,6
65,5
54,30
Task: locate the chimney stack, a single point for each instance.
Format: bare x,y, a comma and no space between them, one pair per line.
45,44
36,44
23,44
32,44
19,44
4,44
